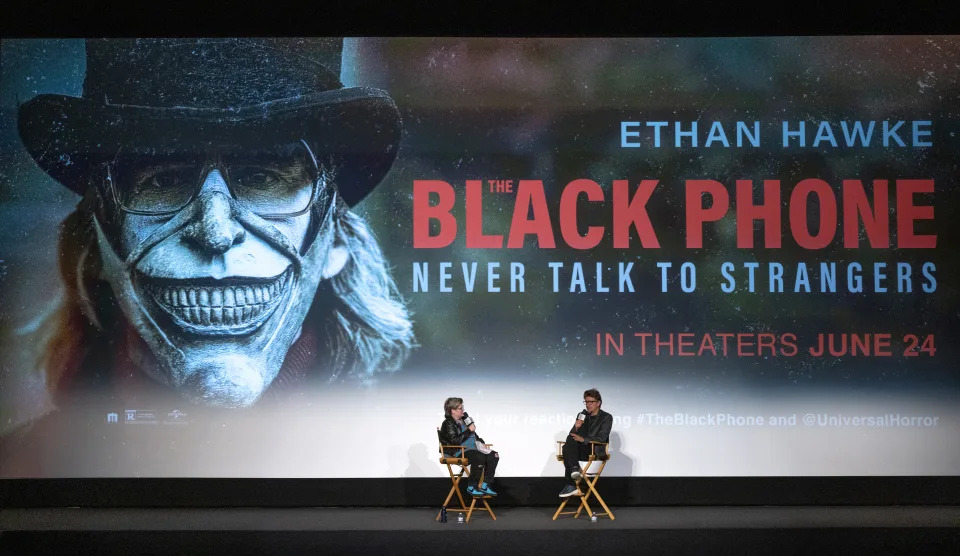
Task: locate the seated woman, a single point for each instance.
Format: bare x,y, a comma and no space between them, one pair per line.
454,432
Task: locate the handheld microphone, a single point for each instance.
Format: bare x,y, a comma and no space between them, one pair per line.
582,416
467,420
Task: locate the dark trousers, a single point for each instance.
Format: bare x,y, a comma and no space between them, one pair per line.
573,453
480,461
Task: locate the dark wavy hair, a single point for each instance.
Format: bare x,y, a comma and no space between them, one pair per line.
594,393
359,315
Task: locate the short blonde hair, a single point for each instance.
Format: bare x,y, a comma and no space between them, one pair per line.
451,404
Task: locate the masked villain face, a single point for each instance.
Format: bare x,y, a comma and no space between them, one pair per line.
215,258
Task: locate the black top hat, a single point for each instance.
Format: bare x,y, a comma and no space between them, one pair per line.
197,93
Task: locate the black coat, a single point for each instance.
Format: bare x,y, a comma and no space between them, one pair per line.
451,435
595,429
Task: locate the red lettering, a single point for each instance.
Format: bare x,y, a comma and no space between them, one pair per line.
855,206
743,343
766,340
632,212
474,210
424,212
798,214
724,336
530,196
568,214
789,348
908,213
643,341
697,214
768,211
881,345
707,344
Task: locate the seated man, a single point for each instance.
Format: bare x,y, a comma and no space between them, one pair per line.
594,427
459,430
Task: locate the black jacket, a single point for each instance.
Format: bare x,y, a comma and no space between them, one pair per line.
595,429
451,435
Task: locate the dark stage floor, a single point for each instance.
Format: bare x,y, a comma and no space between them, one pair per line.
647,530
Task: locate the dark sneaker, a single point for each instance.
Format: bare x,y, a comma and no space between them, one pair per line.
485,488
569,490
576,474
474,491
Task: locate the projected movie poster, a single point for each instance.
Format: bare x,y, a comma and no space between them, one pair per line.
279,257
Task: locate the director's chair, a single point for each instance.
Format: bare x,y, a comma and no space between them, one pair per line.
590,471
463,463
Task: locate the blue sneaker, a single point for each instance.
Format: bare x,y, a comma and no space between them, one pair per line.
487,490
474,491
568,491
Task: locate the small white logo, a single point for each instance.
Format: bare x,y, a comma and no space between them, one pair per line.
176,417
112,417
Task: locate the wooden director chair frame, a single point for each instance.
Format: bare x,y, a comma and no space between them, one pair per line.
463,462
592,470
